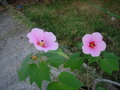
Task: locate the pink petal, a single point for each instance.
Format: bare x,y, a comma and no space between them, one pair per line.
31,38
100,46
86,39
37,33
53,46
95,53
85,49
49,39
49,36
96,36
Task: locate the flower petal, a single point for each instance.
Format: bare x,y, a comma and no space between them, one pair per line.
86,39
31,38
96,36
37,33
53,46
95,53
49,39
100,46
85,49
49,36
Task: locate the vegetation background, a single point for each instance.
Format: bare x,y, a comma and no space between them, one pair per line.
69,20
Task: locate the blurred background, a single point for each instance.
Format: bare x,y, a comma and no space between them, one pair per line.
69,20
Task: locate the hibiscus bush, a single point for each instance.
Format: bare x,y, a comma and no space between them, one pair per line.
60,71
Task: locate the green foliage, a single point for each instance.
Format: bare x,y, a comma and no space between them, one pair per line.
61,53
109,63
100,88
80,45
57,53
91,59
39,73
69,19
38,70
67,81
74,62
23,72
56,61
54,58
110,56
58,86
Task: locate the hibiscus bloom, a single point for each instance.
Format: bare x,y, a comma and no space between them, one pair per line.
42,40
93,44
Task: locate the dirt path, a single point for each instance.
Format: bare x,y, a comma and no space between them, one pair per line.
14,46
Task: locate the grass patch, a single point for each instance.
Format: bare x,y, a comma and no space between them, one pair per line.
70,20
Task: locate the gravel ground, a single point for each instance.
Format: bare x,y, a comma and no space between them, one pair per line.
14,46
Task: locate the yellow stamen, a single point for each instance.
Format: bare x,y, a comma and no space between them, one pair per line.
41,43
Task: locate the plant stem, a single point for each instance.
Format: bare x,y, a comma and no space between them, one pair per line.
104,80
54,76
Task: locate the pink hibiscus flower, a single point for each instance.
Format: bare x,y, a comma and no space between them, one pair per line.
93,44
42,40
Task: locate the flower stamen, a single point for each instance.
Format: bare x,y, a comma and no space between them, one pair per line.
41,43
92,44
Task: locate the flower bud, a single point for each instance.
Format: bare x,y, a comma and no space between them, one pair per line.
34,57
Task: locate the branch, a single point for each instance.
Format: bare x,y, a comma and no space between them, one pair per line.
104,80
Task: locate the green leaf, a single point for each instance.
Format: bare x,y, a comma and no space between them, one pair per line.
51,54
109,65
100,88
56,53
54,58
61,53
58,86
80,45
56,61
26,60
39,73
91,59
23,72
110,56
67,81
74,62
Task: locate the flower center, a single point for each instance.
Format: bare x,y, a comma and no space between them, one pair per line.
41,43
92,44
